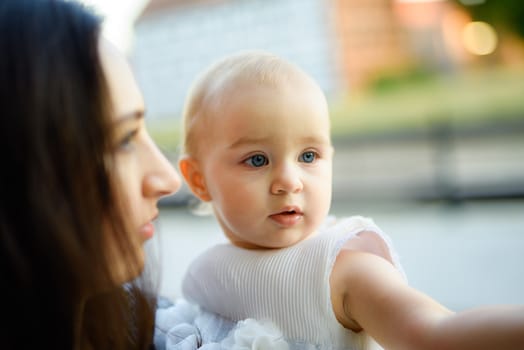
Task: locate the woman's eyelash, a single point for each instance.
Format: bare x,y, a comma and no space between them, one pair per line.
126,140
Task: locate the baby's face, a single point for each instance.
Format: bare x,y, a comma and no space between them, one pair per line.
267,164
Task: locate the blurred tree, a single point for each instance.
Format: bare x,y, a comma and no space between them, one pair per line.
505,14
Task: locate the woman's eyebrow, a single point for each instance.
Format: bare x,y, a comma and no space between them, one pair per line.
138,114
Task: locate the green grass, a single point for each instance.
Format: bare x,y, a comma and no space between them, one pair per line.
462,99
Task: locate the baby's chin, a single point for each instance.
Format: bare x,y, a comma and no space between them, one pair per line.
279,244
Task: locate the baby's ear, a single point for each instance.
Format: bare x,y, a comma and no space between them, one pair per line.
191,172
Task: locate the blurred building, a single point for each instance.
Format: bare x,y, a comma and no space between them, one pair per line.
339,42
369,40
343,44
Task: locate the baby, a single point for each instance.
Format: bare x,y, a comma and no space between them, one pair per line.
257,147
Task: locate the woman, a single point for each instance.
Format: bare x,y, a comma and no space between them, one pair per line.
79,186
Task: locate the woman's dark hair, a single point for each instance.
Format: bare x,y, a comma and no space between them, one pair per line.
57,194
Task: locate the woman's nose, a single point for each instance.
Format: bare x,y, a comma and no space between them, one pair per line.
286,179
162,179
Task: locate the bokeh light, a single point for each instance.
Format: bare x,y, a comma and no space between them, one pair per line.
479,38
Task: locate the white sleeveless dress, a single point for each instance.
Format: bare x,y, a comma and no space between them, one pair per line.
289,286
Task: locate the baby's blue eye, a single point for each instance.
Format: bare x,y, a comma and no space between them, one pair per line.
307,157
257,160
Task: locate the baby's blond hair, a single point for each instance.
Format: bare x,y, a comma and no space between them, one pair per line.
207,93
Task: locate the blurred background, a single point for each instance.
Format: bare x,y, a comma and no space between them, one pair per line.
427,108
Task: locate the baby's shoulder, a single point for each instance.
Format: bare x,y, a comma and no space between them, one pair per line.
362,234
349,224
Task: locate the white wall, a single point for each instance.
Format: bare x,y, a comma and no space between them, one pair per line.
171,47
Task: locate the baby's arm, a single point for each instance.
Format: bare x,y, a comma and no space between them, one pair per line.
369,293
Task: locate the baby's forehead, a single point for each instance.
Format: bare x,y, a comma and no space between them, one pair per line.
255,69
268,81
248,77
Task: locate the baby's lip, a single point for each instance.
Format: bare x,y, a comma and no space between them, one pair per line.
287,210
287,217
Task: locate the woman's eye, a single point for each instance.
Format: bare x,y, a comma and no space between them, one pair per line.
308,157
257,161
125,142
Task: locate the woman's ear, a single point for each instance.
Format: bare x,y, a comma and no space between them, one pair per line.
190,170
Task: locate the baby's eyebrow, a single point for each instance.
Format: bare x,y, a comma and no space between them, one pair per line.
248,141
316,140
310,140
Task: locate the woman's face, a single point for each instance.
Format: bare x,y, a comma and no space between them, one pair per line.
144,175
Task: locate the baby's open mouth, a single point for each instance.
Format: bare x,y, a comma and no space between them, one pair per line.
287,218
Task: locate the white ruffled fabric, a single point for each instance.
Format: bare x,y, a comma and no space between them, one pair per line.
183,326
253,335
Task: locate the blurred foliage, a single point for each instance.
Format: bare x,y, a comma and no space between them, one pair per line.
464,99
508,14
387,81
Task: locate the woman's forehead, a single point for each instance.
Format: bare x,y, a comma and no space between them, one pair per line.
125,94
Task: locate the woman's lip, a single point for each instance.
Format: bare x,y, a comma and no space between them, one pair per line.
147,231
